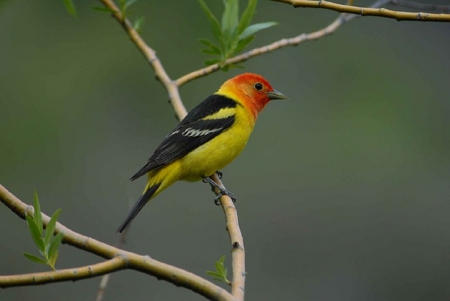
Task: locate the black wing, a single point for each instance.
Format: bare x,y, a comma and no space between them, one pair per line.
192,132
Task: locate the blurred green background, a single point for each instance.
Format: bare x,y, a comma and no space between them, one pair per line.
343,191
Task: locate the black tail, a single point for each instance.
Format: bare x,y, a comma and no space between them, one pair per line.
138,206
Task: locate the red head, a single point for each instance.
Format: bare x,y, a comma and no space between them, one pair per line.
251,90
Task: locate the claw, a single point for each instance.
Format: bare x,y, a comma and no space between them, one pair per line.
217,199
222,191
219,174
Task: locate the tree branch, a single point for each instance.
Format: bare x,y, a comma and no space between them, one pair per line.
367,11
73,274
237,242
120,259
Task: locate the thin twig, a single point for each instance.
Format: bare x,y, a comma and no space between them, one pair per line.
367,11
73,274
105,279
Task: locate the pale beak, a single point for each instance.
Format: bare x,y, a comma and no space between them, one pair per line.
276,95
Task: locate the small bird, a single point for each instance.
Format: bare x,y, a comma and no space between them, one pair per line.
212,135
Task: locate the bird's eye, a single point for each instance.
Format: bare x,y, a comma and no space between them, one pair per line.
258,86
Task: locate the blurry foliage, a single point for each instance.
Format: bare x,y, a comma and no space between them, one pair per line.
232,34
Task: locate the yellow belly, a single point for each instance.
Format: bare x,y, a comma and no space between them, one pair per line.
216,153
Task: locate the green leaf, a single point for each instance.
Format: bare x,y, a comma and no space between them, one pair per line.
70,7
213,49
215,27
51,228
123,9
221,269
35,234
230,15
52,260
54,245
208,51
37,215
103,9
129,3
215,276
138,23
232,41
212,62
247,16
252,29
243,43
34,258
221,273
205,42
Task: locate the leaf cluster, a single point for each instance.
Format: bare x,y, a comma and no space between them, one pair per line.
47,243
233,34
221,272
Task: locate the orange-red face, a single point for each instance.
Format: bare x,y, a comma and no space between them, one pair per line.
252,89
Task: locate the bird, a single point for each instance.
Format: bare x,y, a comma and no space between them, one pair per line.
211,135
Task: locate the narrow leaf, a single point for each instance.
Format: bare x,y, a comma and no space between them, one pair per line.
35,234
205,42
233,40
70,7
216,276
123,9
215,27
54,245
211,62
252,29
243,44
213,49
213,274
137,25
52,260
230,15
247,16
51,228
129,3
34,258
221,269
208,51
37,216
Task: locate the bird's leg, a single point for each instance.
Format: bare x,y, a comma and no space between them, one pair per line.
221,193
219,174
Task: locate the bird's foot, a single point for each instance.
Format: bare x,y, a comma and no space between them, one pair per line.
219,174
222,191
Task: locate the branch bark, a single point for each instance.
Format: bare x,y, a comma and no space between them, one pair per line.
368,11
